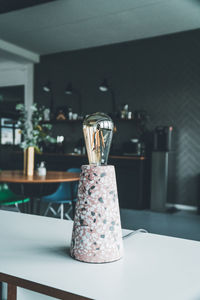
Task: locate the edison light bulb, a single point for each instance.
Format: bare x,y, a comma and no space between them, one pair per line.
98,131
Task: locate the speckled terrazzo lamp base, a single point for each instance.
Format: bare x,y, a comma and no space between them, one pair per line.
97,236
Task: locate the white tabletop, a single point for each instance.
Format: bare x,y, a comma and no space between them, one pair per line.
154,267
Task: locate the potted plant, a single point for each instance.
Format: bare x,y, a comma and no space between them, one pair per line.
34,132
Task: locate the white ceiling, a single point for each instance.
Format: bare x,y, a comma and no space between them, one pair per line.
66,25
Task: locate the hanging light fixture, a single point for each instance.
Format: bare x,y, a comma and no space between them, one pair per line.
105,87
68,90
47,88
73,91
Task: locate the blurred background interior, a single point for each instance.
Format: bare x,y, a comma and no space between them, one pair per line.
138,61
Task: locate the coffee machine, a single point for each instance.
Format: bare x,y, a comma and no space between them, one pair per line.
133,147
162,138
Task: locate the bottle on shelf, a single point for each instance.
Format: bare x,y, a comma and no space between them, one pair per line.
126,113
70,113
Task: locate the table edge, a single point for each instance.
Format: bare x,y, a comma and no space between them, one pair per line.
31,179
40,180
39,288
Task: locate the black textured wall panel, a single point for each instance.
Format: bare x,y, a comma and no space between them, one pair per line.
160,75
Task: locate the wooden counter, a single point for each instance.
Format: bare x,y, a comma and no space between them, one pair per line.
85,156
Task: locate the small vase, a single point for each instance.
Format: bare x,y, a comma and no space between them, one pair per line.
29,161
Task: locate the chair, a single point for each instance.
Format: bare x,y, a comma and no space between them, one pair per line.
62,196
7,197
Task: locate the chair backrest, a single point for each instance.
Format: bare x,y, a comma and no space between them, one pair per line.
75,184
64,191
74,170
6,194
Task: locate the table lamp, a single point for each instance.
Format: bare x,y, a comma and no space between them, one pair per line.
97,236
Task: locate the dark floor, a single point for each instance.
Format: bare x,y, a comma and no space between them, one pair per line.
178,224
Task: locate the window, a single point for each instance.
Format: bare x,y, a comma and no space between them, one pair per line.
9,129
9,132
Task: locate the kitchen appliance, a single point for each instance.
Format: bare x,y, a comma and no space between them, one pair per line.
162,144
162,138
133,147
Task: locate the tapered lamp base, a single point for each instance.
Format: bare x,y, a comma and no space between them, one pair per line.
97,236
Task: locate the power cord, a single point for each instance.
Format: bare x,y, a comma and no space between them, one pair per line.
141,230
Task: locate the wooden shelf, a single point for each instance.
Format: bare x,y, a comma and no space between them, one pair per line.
127,120
79,121
85,156
61,121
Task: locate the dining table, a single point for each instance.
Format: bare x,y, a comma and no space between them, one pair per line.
36,186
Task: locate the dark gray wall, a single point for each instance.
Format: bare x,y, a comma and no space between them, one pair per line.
160,75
